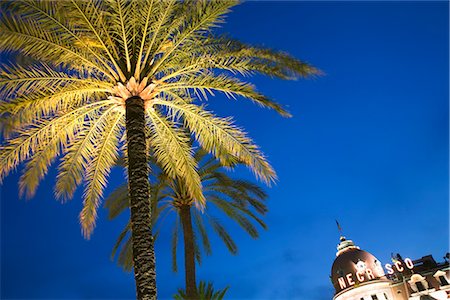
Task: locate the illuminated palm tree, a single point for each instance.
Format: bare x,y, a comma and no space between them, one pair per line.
115,77
239,200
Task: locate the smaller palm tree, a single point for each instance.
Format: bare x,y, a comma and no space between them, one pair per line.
240,200
205,292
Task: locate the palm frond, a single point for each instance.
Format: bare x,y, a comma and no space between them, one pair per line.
90,15
147,10
53,16
242,192
249,187
18,81
37,167
97,171
173,152
125,258
40,133
29,38
208,170
223,234
220,135
204,235
120,239
197,251
205,15
122,22
163,11
117,201
208,82
78,153
236,57
235,215
250,214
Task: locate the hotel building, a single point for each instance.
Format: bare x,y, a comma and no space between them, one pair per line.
358,275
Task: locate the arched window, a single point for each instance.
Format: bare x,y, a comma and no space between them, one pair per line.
441,276
418,283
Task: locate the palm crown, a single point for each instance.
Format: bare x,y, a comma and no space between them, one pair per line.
91,56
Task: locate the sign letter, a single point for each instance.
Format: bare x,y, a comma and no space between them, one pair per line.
360,276
409,264
370,274
342,282
399,267
350,279
389,269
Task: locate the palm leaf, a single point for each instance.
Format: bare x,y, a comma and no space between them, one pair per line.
235,215
223,234
125,258
208,82
98,168
37,167
120,239
173,151
207,14
90,15
39,134
29,37
220,135
204,235
77,155
117,201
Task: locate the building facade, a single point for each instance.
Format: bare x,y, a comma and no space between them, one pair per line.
358,275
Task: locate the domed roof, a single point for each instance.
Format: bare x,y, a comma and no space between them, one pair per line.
353,266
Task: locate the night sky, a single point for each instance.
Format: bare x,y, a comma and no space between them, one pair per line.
368,145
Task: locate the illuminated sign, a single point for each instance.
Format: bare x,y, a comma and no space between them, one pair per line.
399,266
364,273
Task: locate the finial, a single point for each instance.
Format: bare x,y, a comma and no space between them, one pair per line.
342,238
344,245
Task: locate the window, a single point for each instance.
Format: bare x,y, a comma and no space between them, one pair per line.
418,283
420,286
374,297
443,280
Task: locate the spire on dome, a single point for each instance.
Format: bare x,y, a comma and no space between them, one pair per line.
339,229
344,244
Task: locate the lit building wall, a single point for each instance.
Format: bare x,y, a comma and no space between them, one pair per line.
370,291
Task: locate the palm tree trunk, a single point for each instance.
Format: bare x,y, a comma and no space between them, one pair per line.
189,252
141,231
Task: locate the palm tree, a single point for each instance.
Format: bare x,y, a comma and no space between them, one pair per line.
240,200
205,292
115,78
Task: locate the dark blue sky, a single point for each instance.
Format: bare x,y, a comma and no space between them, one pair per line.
368,145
